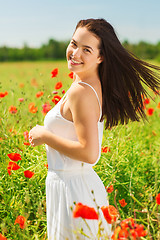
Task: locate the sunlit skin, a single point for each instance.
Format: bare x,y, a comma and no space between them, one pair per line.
83,60
83,55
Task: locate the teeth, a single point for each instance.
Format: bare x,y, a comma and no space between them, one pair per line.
75,61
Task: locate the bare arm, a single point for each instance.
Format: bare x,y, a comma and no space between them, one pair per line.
82,105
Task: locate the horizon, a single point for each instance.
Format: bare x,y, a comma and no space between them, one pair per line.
37,47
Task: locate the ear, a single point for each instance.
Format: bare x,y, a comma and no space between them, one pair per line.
100,59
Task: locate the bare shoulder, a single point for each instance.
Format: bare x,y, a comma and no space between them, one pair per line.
81,94
81,88
78,92
82,103
83,100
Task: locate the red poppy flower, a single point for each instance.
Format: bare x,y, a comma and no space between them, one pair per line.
122,202
3,94
34,82
12,166
70,75
116,232
123,234
32,108
20,99
150,111
2,237
158,199
139,229
54,92
12,131
56,99
133,234
84,211
158,106
54,72
46,165
28,174
26,143
129,222
106,149
26,135
39,94
12,109
46,108
146,101
21,221
129,229
110,213
14,156
21,85
110,189
63,91
58,85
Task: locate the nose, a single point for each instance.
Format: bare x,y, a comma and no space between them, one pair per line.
76,53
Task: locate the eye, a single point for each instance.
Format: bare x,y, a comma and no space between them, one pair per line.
86,50
73,43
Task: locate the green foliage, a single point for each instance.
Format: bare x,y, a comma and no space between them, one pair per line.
53,50
56,50
144,50
131,166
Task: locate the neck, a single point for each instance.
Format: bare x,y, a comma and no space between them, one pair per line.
79,77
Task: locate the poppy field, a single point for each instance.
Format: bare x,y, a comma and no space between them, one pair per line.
128,167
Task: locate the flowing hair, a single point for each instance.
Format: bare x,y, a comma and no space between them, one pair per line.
122,76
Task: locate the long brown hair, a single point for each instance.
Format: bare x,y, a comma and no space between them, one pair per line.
122,76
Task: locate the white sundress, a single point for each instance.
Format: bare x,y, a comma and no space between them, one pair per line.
68,181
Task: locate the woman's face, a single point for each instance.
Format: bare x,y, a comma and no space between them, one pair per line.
83,52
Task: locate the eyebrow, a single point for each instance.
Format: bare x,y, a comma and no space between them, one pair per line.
84,45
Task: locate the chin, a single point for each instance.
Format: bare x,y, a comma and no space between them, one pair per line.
70,68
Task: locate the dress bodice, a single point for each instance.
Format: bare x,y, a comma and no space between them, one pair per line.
62,127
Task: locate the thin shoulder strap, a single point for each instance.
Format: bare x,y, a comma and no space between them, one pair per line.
96,96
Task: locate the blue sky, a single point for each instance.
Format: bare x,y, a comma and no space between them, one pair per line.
34,22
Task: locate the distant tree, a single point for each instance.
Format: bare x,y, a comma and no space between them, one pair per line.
57,50
54,49
4,54
143,49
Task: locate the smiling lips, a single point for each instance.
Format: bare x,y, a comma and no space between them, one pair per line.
74,62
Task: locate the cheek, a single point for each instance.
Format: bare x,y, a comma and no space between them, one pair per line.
68,51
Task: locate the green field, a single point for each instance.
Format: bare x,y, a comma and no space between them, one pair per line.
131,165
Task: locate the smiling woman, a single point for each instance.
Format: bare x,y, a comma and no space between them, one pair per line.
83,54
107,84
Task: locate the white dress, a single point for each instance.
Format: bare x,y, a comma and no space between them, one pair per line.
68,181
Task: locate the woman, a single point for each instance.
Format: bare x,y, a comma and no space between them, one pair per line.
107,85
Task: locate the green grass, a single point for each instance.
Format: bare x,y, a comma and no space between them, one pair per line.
132,165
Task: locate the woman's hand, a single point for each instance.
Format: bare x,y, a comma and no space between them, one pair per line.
36,135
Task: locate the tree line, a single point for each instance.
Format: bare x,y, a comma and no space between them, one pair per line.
55,50
144,50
